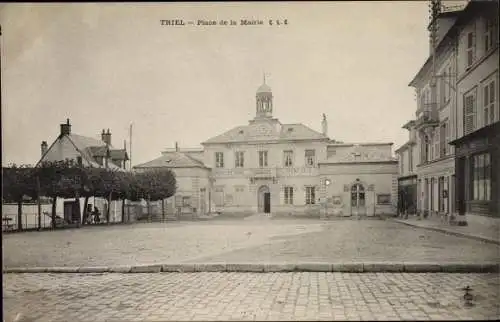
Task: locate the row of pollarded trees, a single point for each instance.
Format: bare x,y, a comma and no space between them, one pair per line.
66,179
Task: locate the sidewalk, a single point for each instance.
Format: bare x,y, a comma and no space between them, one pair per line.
474,230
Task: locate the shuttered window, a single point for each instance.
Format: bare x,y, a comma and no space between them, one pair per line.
489,103
471,48
469,113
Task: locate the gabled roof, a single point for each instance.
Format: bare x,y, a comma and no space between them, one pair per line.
173,160
89,148
267,131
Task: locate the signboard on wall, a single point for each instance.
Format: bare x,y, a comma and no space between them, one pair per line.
337,200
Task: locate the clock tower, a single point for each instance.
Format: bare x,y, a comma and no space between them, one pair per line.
264,101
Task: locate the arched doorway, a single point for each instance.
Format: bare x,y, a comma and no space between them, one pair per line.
264,200
358,199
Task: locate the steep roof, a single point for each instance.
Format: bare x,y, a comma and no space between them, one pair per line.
89,148
173,160
265,131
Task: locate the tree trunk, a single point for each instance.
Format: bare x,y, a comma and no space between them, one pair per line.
109,208
123,210
149,209
53,215
163,209
20,215
85,213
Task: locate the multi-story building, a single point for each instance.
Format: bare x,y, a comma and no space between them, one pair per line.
407,179
477,136
87,152
461,69
270,167
434,124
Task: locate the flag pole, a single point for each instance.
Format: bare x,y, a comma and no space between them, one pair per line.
130,138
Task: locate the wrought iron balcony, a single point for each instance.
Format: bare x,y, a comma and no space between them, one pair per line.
428,117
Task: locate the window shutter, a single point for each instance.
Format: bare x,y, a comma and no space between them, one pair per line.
486,98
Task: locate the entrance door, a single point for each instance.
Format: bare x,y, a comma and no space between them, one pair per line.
267,202
264,199
358,204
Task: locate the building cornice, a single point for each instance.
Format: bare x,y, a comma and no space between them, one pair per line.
358,162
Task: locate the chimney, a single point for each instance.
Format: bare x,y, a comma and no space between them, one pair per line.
44,147
106,137
176,147
66,128
324,126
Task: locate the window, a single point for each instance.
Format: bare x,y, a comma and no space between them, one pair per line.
310,196
401,163
288,195
384,199
288,156
262,159
489,34
219,160
489,103
435,154
469,113
481,177
357,195
239,160
426,147
186,201
310,156
471,48
442,139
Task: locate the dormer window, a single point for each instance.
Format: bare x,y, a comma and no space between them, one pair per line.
241,132
168,160
290,129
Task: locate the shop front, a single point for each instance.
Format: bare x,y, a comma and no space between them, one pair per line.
477,168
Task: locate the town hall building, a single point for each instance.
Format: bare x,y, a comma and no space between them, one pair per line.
269,167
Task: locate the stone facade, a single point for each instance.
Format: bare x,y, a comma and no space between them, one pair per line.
284,169
451,104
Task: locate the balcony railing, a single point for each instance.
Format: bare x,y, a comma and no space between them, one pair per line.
428,116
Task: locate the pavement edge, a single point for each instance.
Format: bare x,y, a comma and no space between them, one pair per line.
368,267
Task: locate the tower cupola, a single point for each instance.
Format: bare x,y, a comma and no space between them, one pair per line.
264,101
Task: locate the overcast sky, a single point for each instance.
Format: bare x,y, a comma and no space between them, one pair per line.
107,65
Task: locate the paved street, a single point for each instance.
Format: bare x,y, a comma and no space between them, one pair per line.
249,296
242,241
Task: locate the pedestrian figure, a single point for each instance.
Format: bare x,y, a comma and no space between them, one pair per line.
97,215
88,214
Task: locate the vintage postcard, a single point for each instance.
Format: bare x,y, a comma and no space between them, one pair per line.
216,161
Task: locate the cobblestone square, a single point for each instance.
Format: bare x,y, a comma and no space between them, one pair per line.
236,241
249,296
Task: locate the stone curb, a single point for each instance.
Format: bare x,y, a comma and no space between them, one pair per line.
450,232
368,267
